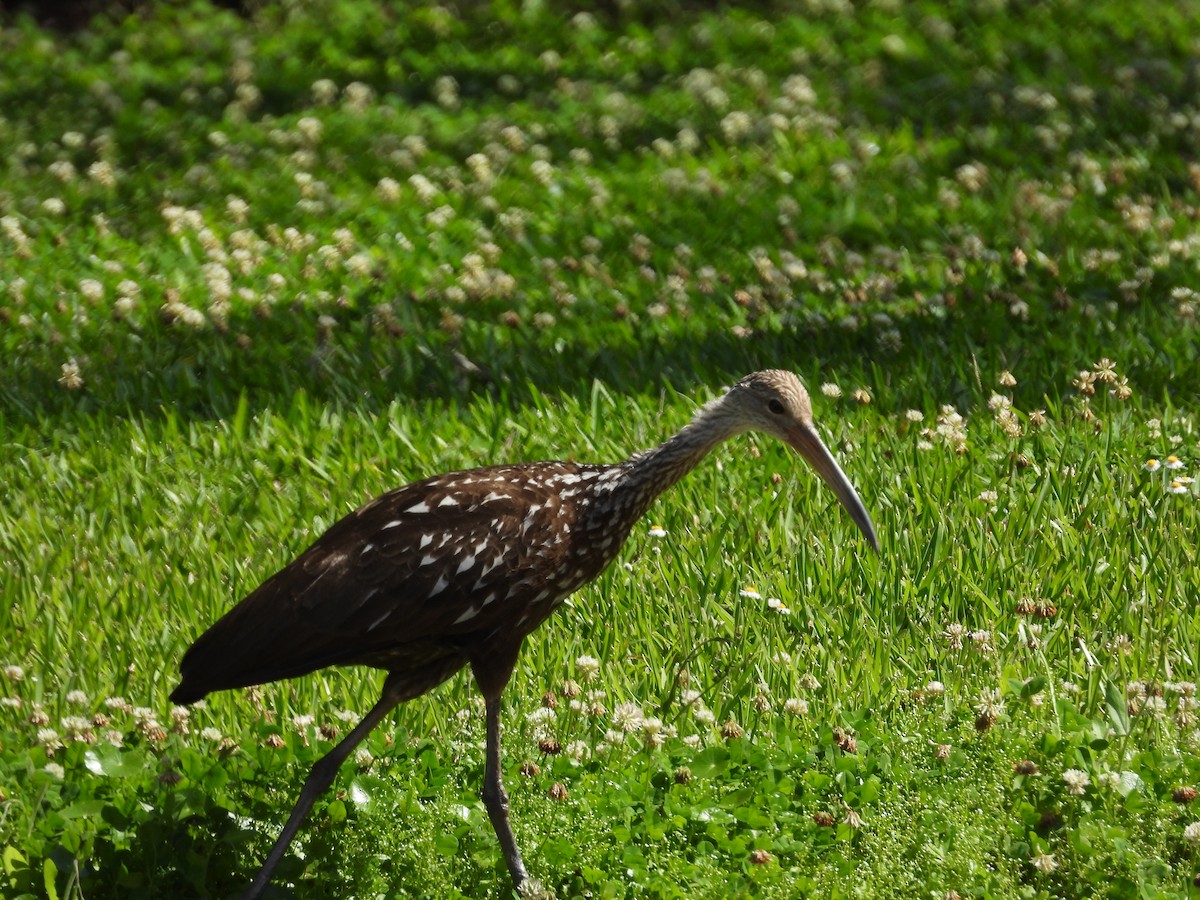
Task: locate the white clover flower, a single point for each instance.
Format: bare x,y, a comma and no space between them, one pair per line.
587,668
123,307
736,126
102,173
652,725
1044,862
1076,780
54,770
954,634
324,91
795,706
360,264
628,717
831,390
445,91
990,704
91,289
541,718
63,170
543,171
1191,833
310,128
971,176
388,189
358,96
75,726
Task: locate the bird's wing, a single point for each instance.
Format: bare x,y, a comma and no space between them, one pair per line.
408,574
435,558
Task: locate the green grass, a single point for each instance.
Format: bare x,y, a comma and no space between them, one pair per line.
234,330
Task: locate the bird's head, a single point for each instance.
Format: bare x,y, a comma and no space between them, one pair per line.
775,402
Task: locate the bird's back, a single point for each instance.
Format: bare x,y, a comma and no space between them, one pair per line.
414,579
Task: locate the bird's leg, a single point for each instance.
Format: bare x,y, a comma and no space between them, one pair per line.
495,799
319,779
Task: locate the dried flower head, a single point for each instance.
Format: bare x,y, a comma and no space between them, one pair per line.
72,376
1184,795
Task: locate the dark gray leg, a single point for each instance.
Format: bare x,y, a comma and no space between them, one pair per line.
318,780
496,800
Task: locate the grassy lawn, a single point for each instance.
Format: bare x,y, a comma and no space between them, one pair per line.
255,271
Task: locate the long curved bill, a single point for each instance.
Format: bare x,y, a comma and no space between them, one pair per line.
805,441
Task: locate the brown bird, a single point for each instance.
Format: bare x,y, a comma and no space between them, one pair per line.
459,568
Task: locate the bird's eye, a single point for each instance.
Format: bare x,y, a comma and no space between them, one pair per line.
776,407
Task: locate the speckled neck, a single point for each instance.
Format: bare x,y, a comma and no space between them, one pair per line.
651,472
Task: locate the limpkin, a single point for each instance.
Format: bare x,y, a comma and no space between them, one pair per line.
459,568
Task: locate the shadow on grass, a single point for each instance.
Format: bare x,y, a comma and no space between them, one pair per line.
952,357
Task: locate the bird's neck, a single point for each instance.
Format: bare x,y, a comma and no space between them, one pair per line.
651,472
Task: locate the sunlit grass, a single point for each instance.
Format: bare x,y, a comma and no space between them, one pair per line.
240,296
